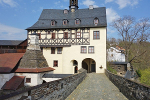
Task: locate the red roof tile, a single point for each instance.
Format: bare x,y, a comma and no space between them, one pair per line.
33,70
8,61
13,83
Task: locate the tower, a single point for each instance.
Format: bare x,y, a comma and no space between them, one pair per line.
73,5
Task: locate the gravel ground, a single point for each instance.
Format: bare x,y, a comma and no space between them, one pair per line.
96,87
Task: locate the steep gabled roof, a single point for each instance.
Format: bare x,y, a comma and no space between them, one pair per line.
86,16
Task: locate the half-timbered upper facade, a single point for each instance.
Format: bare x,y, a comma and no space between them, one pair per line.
73,39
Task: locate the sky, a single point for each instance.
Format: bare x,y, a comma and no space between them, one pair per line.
17,15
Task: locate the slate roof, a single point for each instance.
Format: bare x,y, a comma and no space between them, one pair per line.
10,42
119,63
13,83
33,61
8,61
86,16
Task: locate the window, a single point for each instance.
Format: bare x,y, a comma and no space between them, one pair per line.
96,21
111,55
53,35
96,35
65,22
65,35
52,23
77,21
28,80
52,50
49,32
119,67
55,64
65,11
39,34
83,49
78,35
59,50
91,49
75,63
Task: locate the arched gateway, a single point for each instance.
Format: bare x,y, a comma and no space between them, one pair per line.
89,64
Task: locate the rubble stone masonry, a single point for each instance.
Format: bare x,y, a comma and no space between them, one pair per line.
131,89
55,90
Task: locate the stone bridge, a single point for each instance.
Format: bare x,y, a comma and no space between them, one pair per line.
90,86
96,87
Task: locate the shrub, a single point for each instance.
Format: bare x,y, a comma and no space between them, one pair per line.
145,76
111,69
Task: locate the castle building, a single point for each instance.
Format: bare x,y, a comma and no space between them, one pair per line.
72,39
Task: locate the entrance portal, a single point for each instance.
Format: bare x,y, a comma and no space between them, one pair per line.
75,66
89,64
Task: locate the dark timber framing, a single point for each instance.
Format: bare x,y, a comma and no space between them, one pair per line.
46,41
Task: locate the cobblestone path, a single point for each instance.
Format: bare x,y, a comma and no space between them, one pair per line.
96,87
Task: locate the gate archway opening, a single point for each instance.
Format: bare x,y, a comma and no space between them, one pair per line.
75,66
89,64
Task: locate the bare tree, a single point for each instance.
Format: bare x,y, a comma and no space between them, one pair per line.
131,32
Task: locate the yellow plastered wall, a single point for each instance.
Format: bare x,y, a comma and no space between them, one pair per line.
65,65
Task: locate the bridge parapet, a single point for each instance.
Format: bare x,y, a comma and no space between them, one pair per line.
132,90
55,90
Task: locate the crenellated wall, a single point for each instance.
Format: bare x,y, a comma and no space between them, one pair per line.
55,90
131,89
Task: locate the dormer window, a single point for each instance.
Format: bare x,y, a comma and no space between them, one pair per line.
77,21
53,22
96,21
65,22
65,11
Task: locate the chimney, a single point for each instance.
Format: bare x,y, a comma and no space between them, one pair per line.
91,7
34,43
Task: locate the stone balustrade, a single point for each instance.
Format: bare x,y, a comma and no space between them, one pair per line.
132,90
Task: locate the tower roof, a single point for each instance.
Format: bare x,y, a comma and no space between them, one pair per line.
33,61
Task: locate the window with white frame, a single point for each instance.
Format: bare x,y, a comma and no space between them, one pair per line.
55,63
83,49
96,21
59,50
77,21
96,35
78,35
91,49
53,23
52,50
65,22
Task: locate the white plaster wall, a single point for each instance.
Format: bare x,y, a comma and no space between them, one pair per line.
4,78
73,53
36,78
51,57
117,55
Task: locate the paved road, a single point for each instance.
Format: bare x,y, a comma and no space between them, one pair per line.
96,87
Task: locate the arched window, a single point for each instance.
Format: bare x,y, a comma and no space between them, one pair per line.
77,21
53,22
65,22
96,21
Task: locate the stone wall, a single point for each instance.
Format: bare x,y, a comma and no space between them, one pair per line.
55,90
131,89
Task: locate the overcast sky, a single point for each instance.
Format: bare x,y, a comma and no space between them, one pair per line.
17,15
